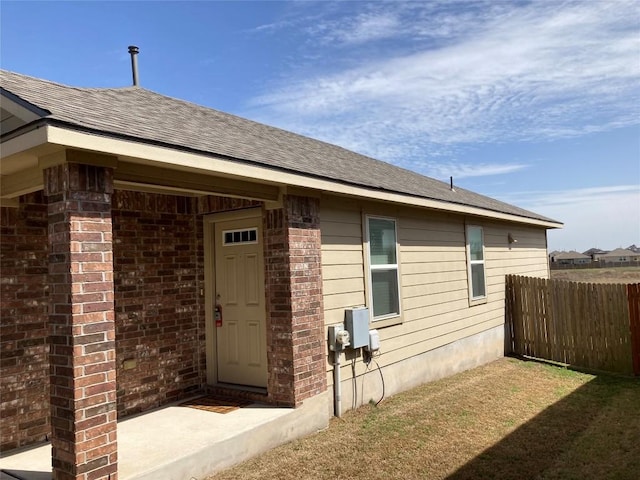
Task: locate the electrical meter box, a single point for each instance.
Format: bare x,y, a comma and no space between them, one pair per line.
356,322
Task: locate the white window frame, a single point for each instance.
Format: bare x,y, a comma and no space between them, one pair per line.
392,318
483,298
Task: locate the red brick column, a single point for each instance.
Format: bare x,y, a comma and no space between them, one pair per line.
295,319
81,322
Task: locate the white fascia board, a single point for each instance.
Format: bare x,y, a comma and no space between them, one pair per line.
26,141
174,158
20,111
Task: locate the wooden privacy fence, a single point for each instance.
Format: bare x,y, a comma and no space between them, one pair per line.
595,326
572,266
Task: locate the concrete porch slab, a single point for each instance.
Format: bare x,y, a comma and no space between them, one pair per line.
181,443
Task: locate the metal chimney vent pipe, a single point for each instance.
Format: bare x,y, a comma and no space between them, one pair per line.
133,51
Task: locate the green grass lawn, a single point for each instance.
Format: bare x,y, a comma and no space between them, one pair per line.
508,420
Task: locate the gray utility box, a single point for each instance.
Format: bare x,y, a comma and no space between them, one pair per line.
356,322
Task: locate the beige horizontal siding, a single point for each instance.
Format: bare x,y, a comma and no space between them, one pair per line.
434,288
504,262
341,257
412,256
337,272
412,333
433,274
431,238
346,247
435,299
528,256
429,278
433,221
334,231
343,285
513,256
433,267
342,261
343,300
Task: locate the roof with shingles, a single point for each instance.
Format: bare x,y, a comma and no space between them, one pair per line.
571,255
620,252
142,115
593,251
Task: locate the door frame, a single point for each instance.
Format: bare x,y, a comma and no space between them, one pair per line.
209,224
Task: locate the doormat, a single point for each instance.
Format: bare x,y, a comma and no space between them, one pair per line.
217,404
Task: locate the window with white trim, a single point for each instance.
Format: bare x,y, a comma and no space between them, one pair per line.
475,264
382,249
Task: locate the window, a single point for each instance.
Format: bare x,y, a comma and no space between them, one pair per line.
475,264
233,237
383,268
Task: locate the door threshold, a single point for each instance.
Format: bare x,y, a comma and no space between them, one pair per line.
243,392
238,388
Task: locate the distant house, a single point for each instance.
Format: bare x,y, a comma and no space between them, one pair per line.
570,258
633,248
595,253
620,255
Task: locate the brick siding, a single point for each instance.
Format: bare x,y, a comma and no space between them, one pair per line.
158,262
158,276
81,322
24,348
159,309
159,280
296,350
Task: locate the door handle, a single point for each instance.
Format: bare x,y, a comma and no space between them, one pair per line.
217,315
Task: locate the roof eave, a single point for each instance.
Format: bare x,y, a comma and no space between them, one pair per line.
64,134
21,102
24,138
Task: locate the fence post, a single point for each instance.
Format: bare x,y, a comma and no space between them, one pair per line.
508,340
633,297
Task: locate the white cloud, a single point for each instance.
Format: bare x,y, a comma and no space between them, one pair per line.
544,198
465,170
365,28
462,170
416,83
602,217
483,73
375,20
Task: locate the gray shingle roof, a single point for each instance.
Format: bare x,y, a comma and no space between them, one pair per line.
147,116
571,255
619,252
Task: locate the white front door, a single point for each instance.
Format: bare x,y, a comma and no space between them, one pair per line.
241,321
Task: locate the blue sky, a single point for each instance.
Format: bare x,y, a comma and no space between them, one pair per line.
534,103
